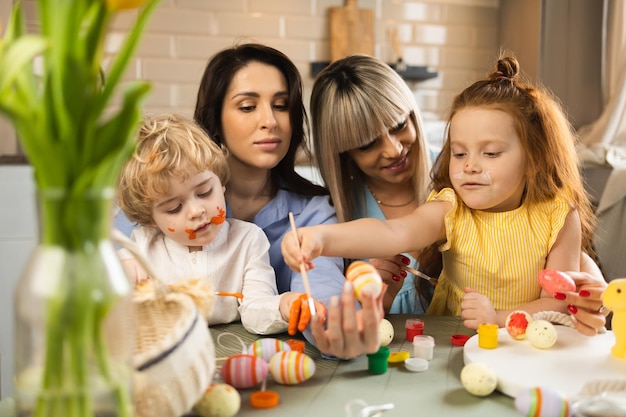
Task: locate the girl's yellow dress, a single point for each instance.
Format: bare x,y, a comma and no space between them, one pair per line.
497,254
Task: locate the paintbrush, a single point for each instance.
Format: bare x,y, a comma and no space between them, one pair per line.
422,275
305,278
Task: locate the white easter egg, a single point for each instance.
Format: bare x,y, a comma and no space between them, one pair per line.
219,400
385,332
478,379
541,334
542,402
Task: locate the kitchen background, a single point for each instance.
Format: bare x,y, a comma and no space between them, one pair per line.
556,41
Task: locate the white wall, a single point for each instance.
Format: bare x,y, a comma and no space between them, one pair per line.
18,237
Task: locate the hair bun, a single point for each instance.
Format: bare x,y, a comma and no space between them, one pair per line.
506,68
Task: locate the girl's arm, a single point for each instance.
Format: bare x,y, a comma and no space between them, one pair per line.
368,238
564,256
565,253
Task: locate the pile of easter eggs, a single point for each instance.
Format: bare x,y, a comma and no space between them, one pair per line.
267,355
251,368
540,333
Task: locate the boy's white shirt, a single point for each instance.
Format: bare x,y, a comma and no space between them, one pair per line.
236,261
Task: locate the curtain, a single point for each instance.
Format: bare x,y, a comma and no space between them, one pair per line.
604,142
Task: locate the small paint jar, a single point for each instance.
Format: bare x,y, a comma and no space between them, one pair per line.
423,346
377,362
413,327
488,336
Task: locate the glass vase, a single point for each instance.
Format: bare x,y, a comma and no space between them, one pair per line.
73,332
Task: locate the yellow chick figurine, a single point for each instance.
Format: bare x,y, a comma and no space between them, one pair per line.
614,298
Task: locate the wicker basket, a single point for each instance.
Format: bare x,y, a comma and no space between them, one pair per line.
174,356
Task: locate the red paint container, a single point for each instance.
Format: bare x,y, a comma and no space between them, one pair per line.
413,327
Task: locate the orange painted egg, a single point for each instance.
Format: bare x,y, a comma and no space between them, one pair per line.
516,324
365,278
267,347
291,367
555,281
244,371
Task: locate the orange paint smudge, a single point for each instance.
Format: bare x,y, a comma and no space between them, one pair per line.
171,229
192,233
221,216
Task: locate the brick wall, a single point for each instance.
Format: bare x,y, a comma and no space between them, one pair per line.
456,38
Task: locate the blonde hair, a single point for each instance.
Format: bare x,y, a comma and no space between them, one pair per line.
547,137
355,100
168,145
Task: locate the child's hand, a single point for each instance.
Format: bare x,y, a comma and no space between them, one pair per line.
135,273
300,313
303,251
476,309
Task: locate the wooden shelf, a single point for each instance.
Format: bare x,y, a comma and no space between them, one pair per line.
408,72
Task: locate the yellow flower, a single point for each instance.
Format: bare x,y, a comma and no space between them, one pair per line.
116,5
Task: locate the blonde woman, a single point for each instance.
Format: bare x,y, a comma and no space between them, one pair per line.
373,157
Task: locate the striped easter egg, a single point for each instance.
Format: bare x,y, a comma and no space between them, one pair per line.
244,371
365,279
291,367
266,348
542,402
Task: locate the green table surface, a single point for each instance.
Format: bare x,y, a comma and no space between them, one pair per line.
435,392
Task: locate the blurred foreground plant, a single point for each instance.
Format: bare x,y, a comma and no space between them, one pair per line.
77,139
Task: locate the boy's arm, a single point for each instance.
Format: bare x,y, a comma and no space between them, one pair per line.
368,238
134,271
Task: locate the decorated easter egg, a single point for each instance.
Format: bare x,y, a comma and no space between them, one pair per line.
365,278
291,367
385,332
542,402
516,324
478,379
266,348
541,334
244,371
219,400
555,281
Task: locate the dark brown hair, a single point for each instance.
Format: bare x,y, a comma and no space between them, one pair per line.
216,79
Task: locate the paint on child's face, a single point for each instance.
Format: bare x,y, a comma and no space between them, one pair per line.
191,233
192,211
487,161
484,177
220,217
